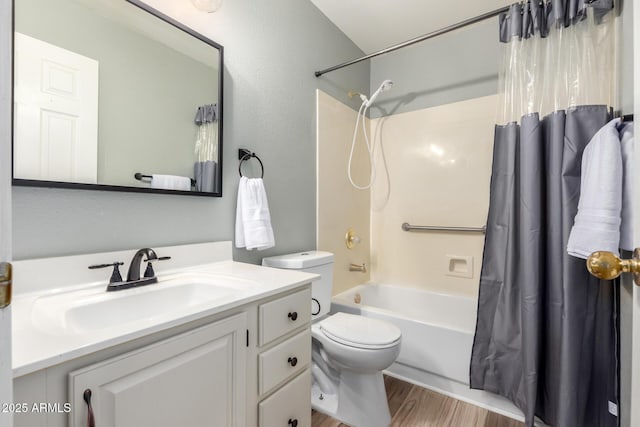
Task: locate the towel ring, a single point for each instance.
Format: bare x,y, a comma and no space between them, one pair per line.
244,154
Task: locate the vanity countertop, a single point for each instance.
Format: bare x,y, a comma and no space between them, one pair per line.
40,341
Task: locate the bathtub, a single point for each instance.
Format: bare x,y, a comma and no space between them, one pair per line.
437,329
437,336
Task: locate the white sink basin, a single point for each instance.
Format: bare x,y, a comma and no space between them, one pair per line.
93,310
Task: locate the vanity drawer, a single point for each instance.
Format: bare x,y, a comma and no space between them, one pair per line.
284,315
289,404
284,361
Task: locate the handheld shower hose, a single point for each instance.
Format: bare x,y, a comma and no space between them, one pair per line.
366,103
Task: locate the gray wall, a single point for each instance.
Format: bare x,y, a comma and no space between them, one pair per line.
145,113
271,51
453,67
464,65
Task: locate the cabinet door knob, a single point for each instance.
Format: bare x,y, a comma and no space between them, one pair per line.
293,315
293,361
293,422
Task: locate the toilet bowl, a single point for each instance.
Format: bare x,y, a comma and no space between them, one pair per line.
358,343
349,351
356,395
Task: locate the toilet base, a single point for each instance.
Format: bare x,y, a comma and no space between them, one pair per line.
361,400
323,402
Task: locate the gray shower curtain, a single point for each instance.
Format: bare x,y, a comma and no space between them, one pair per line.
546,332
205,168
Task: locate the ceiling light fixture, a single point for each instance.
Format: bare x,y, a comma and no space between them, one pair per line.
209,6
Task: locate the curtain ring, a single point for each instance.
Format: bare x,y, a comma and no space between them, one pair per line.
248,155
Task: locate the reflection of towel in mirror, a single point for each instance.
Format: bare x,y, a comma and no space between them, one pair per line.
171,182
253,221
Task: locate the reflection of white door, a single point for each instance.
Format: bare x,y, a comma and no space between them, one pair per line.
6,376
56,113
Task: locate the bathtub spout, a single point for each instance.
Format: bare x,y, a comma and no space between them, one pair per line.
357,267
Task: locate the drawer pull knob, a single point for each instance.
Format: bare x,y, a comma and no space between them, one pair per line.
293,361
293,422
293,315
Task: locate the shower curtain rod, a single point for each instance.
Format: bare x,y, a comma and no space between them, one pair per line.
419,39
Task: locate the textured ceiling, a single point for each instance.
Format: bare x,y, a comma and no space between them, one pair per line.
376,24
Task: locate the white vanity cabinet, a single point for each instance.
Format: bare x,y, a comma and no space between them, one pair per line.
246,366
195,378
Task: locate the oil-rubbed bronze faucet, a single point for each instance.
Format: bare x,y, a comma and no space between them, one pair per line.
134,266
133,275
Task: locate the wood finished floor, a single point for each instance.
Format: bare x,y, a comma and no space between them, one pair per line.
413,406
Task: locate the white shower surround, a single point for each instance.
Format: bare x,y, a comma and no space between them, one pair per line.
418,152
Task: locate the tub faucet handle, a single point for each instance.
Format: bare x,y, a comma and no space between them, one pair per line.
357,267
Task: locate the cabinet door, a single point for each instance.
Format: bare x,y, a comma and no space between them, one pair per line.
194,379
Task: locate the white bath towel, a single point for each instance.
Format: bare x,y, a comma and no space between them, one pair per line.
171,182
626,145
597,223
253,221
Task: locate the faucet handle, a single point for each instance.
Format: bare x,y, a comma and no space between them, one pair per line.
115,275
148,272
162,258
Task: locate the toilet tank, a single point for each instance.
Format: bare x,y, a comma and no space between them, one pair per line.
317,262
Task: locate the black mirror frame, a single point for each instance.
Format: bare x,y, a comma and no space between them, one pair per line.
121,188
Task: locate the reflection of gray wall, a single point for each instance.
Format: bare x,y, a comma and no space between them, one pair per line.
271,50
139,131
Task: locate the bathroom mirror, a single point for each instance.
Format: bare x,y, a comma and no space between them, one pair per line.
110,93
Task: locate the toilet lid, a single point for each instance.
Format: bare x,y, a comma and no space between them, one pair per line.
360,331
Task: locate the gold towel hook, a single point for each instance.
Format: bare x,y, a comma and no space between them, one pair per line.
607,265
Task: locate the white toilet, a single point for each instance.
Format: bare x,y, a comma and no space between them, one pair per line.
349,351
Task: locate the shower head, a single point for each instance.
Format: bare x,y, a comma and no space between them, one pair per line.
386,85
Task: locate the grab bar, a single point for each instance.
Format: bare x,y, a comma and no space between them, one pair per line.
408,227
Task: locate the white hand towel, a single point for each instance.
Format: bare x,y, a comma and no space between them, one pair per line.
626,228
171,182
597,223
253,220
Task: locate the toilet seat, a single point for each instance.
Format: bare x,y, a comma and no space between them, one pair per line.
360,332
